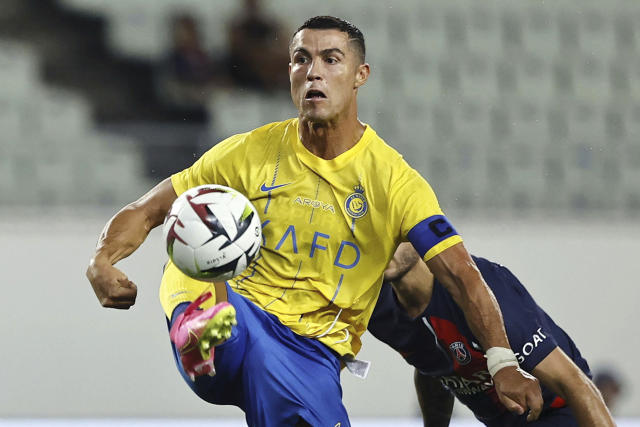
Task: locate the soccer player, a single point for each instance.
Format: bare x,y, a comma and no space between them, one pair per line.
419,319
335,201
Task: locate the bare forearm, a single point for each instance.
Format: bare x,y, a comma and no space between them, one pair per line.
481,309
586,403
590,410
122,235
457,271
129,228
559,373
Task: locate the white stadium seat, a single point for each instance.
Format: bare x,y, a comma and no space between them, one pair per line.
235,112
18,70
59,114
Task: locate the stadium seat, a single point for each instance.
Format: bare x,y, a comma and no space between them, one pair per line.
510,25
527,121
631,176
425,32
139,31
59,114
235,111
19,66
597,34
292,14
540,30
591,78
22,172
55,183
484,39
116,175
213,19
481,77
414,139
89,6
7,179
633,69
11,123
276,108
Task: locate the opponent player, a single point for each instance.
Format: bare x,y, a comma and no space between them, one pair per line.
328,189
419,319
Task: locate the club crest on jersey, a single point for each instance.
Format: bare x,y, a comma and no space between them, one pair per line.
356,204
460,352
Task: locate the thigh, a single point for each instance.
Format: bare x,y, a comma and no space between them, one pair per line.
288,378
286,389
560,417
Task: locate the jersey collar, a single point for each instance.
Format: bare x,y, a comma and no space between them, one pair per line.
336,163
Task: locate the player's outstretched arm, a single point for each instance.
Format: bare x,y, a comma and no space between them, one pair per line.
560,374
436,403
121,236
455,269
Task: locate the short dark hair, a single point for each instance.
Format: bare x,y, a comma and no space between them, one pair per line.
332,23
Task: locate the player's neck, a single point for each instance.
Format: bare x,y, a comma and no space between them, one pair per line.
328,140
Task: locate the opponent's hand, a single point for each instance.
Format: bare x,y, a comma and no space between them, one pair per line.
519,391
112,287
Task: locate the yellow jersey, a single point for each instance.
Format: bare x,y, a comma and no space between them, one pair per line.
330,227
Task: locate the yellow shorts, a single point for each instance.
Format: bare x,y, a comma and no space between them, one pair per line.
177,288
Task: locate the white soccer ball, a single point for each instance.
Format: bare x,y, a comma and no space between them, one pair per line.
212,233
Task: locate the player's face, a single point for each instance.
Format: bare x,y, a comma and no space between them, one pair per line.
325,72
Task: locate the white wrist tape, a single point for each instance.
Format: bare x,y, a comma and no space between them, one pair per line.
498,358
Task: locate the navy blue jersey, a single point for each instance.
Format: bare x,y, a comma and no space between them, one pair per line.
440,343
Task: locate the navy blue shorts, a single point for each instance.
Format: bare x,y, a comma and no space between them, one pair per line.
274,375
560,417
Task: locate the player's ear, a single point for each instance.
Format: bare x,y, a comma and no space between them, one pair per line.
362,74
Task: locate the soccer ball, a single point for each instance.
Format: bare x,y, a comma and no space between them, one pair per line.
212,233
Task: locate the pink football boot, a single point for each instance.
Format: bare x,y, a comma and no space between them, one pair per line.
195,333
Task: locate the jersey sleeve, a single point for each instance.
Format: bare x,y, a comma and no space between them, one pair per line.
216,166
529,331
416,210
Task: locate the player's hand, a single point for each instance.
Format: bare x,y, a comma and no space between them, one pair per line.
519,391
112,287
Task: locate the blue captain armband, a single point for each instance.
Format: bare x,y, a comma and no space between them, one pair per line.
429,233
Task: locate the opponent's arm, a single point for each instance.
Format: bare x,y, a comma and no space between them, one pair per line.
121,236
410,278
455,269
561,375
436,403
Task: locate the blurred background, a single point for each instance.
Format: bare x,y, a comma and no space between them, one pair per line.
524,117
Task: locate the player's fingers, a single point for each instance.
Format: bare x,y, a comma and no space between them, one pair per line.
120,295
535,403
128,284
124,282
124,291
511,404
119,304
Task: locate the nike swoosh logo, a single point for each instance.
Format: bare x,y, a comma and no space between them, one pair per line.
267,189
